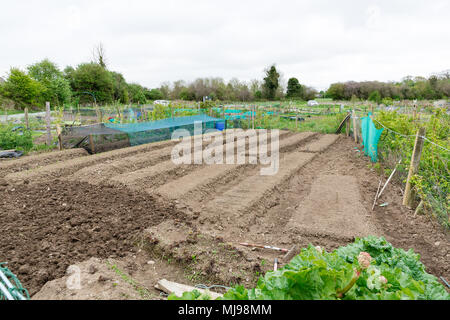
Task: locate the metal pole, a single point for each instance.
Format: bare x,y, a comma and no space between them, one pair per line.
9,284
6,292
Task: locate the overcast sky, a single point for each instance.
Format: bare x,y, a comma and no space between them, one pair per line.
319,42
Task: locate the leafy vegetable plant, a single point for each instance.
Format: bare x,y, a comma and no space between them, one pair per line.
368,269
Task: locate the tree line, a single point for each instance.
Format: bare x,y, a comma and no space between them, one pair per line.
87,83
93,82
437,86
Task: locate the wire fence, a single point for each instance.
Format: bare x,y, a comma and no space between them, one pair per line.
431,184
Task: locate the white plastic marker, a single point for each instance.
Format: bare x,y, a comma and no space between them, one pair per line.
263,247
389,179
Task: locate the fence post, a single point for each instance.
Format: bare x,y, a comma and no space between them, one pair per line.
408,198
27,124
253,117
58,132
48,121
91,143
355,130
347,127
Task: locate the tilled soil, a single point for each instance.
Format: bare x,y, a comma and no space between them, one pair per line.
36,161
49,226
298,213
195,216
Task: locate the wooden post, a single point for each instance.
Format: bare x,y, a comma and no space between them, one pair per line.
347,127
48,122
253,116
355,129
408,198
58,132
27,124
71,113
91,143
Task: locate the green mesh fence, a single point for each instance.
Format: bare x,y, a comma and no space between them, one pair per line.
110,136
146,132
370,136
10,286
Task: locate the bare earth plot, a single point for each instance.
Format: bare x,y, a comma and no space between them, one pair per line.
337,207
131,217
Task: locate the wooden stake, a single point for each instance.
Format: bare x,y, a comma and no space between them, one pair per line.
48,121
355,130
91,143
58,132
26,119
389,179
253,117
419,208
408,198
347,127
376,196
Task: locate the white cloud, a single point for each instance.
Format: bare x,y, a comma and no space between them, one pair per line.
150,42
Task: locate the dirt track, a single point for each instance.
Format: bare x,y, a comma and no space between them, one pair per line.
61,213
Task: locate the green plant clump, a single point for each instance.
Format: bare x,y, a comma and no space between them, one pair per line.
432,181
368,269
20,139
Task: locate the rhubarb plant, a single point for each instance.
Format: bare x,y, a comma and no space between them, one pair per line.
368,269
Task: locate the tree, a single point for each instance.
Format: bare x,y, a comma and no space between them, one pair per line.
271,82
375,96
165,90
309,93
186,94
153,94
177,87
99,55
93,78
22,89
294,89
58,89
137,93
120,88
336,91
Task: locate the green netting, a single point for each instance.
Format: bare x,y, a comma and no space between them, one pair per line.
10,286
371,136
146,132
